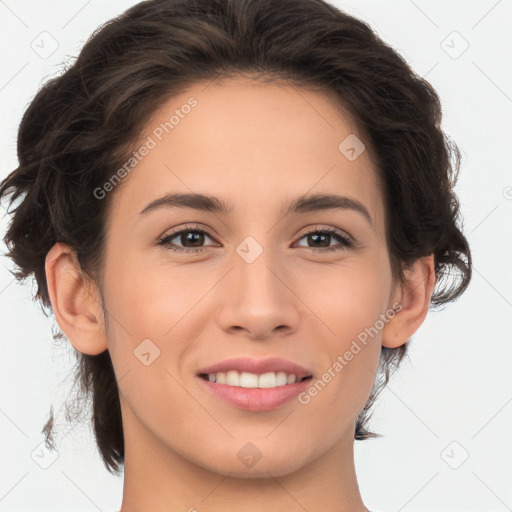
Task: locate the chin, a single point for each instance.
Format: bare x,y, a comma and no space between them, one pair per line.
259,470
249,462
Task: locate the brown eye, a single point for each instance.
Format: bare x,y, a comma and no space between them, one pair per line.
321,238
191,240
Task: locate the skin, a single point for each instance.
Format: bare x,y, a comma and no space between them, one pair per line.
257,146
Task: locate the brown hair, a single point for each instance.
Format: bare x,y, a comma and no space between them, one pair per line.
81,126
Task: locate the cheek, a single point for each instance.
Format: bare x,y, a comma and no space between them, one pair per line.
347,296
349,299
148,315
152,298
162,303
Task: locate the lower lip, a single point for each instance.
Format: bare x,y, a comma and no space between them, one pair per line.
256,399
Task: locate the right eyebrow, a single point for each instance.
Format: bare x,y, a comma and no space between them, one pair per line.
202,202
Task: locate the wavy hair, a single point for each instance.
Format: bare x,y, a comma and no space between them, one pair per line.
82,124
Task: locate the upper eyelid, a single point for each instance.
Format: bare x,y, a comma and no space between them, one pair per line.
177,231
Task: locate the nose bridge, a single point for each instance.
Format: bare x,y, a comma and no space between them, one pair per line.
257,298
255,271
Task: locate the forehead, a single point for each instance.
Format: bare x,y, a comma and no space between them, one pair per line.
256,145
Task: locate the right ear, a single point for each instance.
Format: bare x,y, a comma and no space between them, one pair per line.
75,300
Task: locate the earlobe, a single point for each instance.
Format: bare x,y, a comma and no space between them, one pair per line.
414,298
75,302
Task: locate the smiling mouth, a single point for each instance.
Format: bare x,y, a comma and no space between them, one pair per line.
252,380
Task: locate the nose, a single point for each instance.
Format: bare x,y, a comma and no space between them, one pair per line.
257,299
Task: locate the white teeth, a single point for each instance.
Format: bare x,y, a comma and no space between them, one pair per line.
267,380
232,378
252,380
281,379
248,380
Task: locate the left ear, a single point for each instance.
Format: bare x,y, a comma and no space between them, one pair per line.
414,297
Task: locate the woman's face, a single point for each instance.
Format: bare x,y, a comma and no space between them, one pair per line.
258,284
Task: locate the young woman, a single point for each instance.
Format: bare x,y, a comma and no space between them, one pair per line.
239,213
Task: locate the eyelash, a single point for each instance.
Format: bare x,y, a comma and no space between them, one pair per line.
346,243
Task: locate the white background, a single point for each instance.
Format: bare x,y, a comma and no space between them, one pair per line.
456,384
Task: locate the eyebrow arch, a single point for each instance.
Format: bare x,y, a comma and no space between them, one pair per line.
202,202
317,202
302,204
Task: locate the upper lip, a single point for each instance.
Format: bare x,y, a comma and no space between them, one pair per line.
258,366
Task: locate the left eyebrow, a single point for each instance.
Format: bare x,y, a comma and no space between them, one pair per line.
317,202
302,204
